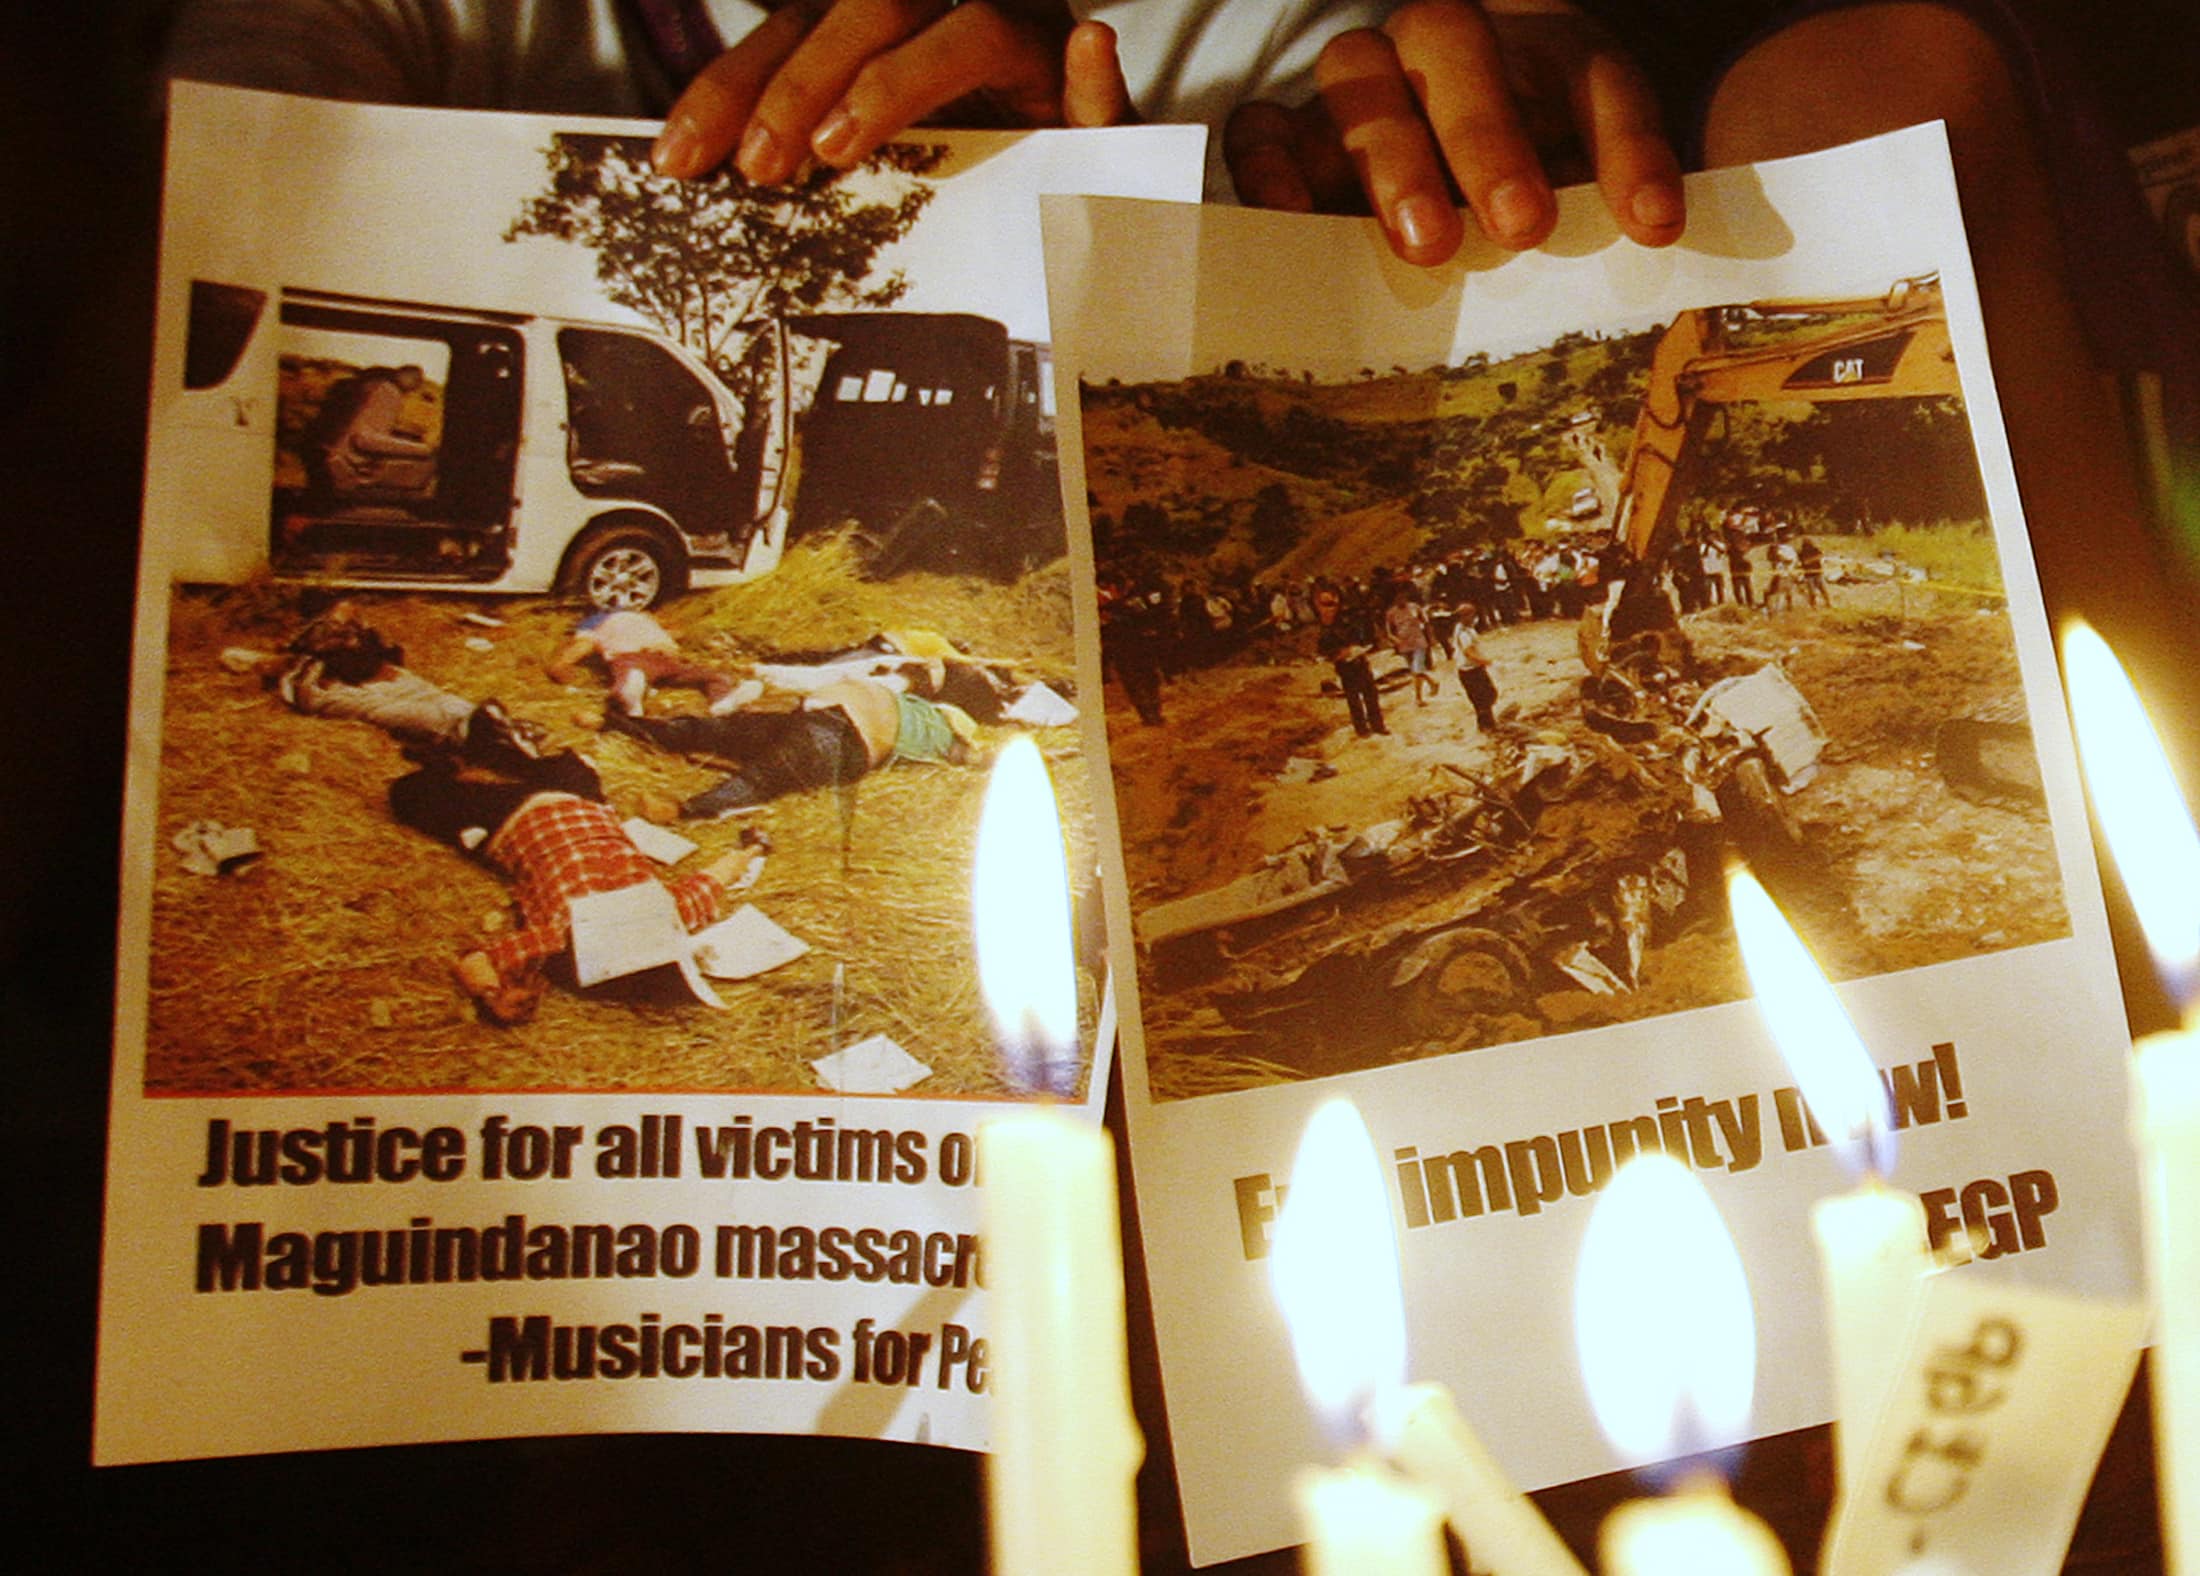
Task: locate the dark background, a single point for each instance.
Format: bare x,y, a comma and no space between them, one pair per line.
79,155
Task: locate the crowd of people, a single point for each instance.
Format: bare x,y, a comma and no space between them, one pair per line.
1153,630
1719,564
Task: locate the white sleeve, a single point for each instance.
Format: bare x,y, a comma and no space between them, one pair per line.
570,56
1196,60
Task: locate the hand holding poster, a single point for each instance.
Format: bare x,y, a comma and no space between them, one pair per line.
763,483
1456,625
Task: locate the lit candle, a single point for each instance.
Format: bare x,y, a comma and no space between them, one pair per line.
1422,1429
2166,1118
1363,1521
1061,1479
1873,1263
1697,1530
1668,1347
2143,819
1871,1241
1335,1270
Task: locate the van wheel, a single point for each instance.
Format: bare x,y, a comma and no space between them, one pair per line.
625,568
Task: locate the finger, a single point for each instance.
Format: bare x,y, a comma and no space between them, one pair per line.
708,117
1379,125
1290,159
1451,55
1328,169
805,89
1260,148
1636,169
972,48
1094,92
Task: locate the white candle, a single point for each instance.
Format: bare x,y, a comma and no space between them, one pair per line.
1871,1241
1335,1272
1871,1252
1422,1429
1061,1481
2166,1123
1697,1531
2145,823
1363,1520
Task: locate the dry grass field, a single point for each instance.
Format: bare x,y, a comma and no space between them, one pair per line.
325,965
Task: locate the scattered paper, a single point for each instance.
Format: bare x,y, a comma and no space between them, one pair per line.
1040,707
745,943
481,619
660,843
629,929
480,643
870,1066
212,849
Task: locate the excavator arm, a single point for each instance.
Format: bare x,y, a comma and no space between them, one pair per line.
1897,349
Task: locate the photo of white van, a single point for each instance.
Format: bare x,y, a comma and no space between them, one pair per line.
392,444
388,444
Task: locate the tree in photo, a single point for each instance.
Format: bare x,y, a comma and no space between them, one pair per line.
708,260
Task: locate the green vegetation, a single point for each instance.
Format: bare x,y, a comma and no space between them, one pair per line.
1956,554
706,260
1252,467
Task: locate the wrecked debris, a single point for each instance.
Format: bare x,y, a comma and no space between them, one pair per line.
1559,870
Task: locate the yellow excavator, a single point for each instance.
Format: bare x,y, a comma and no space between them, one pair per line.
1878,347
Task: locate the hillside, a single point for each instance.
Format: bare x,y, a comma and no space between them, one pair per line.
1249,471
1246,469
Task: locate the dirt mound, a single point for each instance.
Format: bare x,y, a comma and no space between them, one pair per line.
1887,868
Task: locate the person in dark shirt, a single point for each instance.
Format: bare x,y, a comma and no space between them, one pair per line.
1344,636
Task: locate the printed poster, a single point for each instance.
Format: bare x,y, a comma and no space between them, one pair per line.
556,574
1454,628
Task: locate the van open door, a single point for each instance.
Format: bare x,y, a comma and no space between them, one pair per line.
397,442
932,434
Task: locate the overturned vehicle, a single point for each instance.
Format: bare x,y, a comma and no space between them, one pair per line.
1461,921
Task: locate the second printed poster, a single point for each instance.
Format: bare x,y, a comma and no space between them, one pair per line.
1456,629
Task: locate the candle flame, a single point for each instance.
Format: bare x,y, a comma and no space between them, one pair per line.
2142,816
1662,1315
1334,1265
1020,899
1810,1029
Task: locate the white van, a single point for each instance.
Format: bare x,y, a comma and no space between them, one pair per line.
378,443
